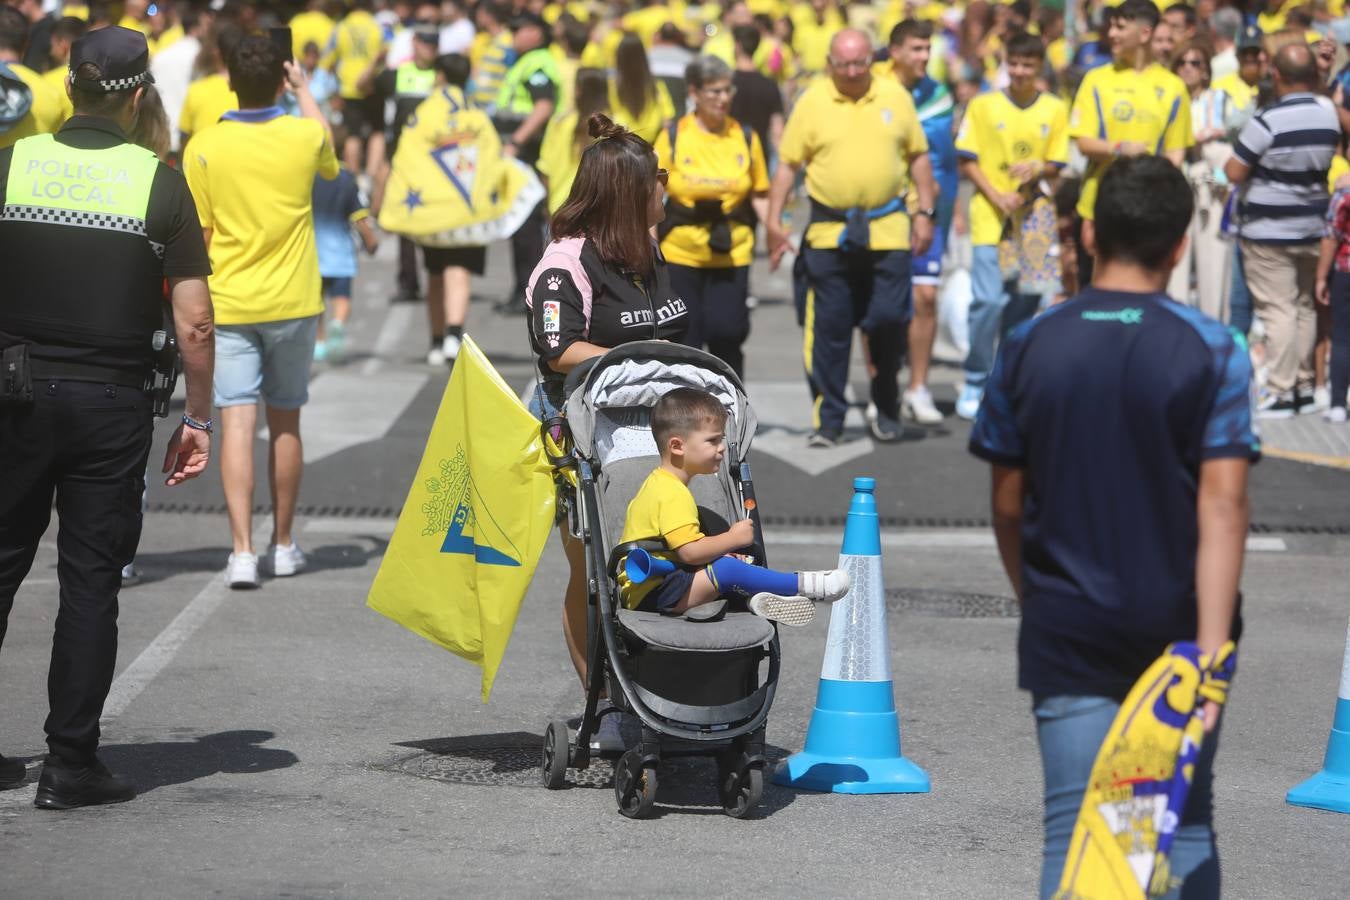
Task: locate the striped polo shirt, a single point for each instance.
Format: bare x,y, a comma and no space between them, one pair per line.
1289,146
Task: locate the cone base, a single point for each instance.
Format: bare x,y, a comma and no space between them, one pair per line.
1324,790
813,772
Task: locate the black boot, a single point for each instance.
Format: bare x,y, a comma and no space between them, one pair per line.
66,785
12,772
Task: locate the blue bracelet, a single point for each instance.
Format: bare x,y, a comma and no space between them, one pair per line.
198,425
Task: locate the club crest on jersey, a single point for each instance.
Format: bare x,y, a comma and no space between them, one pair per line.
552,316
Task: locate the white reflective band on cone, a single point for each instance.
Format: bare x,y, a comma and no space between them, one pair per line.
858,648
1344,693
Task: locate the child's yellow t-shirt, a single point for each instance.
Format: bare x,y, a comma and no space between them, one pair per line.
662,508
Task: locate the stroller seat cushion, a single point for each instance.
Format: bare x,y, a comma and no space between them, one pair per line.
735,631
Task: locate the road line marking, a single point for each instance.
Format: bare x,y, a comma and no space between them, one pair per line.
1314,459
136,677
396,322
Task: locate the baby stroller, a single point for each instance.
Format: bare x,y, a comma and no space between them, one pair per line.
695,687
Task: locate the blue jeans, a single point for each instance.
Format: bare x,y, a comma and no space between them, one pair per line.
1239,299
996,308
1070,731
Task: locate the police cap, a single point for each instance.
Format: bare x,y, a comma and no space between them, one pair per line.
121,55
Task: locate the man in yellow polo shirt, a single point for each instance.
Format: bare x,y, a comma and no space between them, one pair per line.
252,175
861,143
1133,107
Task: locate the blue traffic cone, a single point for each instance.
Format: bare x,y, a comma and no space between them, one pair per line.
853,743
1330,788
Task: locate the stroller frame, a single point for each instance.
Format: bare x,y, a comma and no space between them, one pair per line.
669,728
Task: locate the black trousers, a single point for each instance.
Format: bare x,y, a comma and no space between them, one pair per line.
718,317
869,291
86,445
527,246
407,267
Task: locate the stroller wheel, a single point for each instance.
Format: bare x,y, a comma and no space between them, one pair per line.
634,786
740,790
556,753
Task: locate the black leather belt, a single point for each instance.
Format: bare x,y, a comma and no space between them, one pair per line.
47,370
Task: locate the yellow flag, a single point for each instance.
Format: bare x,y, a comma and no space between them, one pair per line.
475,522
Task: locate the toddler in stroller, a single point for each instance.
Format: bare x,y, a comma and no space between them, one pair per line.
695,688
689,427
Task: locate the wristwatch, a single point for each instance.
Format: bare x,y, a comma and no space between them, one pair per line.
928,211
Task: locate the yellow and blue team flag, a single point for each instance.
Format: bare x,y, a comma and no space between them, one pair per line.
1142,776
475,522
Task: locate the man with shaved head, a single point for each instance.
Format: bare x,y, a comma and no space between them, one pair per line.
1280,159
860,141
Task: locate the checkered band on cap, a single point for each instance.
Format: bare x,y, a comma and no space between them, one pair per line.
115,84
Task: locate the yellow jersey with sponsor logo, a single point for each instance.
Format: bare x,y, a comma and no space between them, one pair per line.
856,154
252,179
708,166
997,133
1120,104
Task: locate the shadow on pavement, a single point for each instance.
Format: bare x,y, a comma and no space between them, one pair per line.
159,566
163,763
345,556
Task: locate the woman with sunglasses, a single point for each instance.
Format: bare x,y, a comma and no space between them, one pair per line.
719,190
602,282
1207,261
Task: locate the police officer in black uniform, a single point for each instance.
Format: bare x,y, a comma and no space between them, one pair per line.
90,228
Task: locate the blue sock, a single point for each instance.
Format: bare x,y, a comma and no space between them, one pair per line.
732,576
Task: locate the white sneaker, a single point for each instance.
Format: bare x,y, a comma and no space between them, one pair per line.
826,586
435,357
968,404
917,404
794,611
1335,415
241,572
450,345
285,559
1321,399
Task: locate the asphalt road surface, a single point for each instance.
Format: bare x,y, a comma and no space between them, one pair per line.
290,742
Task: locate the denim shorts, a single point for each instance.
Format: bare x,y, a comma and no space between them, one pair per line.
269,359
335,286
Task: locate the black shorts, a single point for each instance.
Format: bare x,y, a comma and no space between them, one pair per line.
438,259
363,116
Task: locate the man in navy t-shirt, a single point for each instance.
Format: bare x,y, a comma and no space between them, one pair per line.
1119,429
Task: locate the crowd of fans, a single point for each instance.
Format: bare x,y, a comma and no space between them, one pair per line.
540,69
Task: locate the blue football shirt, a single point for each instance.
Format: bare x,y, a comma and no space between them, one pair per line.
1111,402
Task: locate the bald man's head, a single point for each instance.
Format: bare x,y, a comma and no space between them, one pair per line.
850,41
1296,67
850,62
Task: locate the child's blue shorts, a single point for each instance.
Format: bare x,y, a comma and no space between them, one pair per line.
668,592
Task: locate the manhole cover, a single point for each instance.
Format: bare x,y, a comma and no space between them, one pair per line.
519,766
951,604
497,767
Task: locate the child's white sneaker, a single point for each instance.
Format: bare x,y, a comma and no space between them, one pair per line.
792,611
826,586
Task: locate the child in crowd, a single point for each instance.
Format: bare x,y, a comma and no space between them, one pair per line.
690,429
338,205
1333,285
